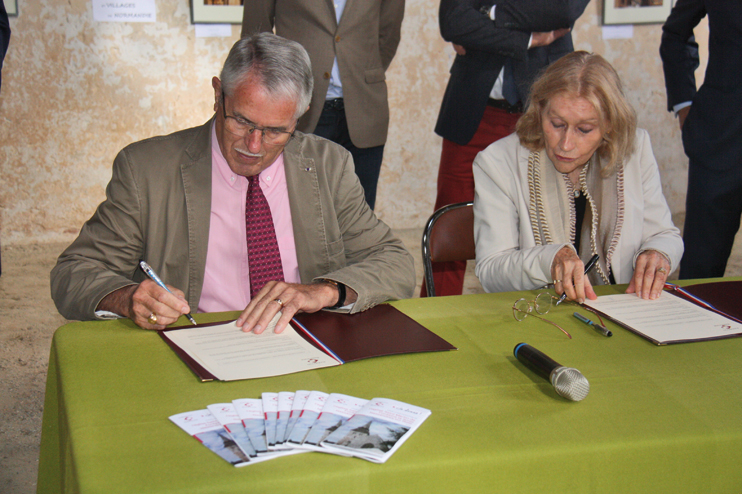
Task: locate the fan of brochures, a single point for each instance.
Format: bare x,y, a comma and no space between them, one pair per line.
248,431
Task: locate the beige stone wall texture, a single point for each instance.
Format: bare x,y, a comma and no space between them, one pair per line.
76,91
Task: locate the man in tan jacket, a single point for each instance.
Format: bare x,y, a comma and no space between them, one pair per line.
351,44
178,202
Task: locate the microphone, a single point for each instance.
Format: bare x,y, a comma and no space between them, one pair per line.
567,382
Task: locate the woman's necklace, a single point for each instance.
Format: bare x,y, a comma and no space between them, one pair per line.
537,210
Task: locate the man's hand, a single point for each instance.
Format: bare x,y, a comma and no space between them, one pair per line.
288,298
568,273
538,39
139,302
682,115
544,39
650,275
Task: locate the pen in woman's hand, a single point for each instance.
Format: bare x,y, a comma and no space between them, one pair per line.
588,267
153,276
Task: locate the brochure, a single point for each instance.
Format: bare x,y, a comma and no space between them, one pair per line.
250,411
270,411
285,401
253,420
337,410
226,414
202,425
377,430
348,426
310,412
300,398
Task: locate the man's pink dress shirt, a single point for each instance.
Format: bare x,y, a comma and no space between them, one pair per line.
227,279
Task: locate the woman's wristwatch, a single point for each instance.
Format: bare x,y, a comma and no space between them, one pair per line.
341,292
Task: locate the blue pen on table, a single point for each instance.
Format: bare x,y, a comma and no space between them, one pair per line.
602,329
153,276
588,267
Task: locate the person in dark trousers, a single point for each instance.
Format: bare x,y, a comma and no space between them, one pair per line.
350,44
711,125
500,50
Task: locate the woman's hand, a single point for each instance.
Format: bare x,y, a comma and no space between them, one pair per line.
568,273
650,274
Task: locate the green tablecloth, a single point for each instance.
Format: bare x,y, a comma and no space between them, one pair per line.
657,419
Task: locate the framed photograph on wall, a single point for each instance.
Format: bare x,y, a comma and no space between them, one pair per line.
635,11
11,7
216,11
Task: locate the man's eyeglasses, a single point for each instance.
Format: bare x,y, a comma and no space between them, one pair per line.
241,128
542,304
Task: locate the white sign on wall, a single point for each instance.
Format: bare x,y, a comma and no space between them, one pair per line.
213,30
621,31
124,10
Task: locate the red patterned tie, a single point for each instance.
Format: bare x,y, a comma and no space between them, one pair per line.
262,247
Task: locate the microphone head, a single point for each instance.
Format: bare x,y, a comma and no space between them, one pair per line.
570,383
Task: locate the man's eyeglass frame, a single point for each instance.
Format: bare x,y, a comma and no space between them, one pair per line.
249,128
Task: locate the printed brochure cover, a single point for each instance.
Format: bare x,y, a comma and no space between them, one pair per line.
310,412
202,425
337,410
330,423
377,430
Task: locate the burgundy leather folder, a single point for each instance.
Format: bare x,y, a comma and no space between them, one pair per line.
724,296
381,330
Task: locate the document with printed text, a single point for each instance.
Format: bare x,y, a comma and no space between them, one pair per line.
311,341
668,319
230,354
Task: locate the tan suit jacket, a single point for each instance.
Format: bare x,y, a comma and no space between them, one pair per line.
158,206
364,42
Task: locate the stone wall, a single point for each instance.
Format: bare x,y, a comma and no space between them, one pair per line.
76,91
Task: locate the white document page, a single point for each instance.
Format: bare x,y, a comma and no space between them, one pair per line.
231,354
668,319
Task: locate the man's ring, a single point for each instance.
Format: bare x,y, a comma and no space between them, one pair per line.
661,270
557,281
279,302
152,318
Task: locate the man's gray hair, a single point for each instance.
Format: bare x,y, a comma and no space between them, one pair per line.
281,66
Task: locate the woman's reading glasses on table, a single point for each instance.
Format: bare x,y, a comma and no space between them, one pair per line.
541,305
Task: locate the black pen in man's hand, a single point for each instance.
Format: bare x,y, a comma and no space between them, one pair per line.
588,267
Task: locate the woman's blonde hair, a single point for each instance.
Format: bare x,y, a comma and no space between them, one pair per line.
589,76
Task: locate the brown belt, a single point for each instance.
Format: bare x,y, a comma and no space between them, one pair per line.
503,104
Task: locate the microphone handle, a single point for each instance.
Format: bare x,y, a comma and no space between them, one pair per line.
535,360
